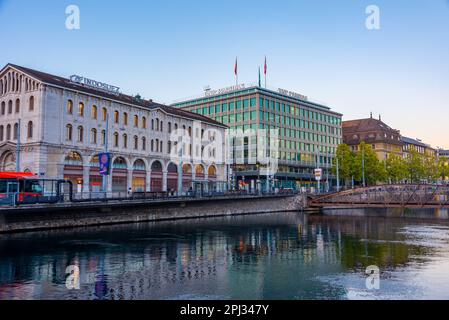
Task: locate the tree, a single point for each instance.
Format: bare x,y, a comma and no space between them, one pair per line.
416,167
374,169
345,163
431,169
397,169
443,168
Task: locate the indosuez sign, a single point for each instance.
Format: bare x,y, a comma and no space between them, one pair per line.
318,174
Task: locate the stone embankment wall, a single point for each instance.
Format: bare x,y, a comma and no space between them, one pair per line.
89,214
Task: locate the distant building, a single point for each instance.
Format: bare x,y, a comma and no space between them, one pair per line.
418,146
384,140
443,154
309,132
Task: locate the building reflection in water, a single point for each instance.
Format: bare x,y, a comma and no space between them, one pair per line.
274,256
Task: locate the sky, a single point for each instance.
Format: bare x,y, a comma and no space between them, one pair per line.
168,50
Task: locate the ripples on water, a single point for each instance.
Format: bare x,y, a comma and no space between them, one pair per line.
274,256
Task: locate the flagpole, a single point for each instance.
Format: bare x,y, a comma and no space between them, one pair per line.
265,71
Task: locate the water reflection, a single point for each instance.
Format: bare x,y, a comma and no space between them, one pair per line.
274,256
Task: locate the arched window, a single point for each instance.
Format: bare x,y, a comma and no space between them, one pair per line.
125,119
169,127
69,132
93,136
152,124
116,139
161,146
116,117
152,146
3,108
16,131
104,113
31,106
157,145
103,137
81,109
157,124
94,112
70,107
136,142
144,143
8,132
1,133
136,121
162,126
17,106
125,141
30,129
9,106
73,159
144,122
80,134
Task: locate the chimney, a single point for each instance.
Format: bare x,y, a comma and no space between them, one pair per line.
371,115
380,117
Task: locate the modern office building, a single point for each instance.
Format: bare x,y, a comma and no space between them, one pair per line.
308,132
417,145
56,128
384,140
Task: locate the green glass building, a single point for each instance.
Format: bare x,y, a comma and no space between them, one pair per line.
308,132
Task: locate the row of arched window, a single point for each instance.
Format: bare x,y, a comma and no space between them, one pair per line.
14,106
12,82
9,132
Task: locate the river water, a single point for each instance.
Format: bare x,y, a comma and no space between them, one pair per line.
271,256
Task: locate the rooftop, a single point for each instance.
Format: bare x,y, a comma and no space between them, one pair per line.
65,83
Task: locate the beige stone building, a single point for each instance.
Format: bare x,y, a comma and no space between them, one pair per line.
61,127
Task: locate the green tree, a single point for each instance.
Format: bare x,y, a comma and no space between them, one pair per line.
431,169
397,169
416,167
374,169
443,168
346,160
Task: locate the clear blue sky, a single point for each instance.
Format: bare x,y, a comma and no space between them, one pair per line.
170,49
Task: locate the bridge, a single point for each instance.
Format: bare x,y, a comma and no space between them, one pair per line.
386,196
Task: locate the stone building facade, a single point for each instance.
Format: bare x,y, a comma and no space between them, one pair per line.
61,126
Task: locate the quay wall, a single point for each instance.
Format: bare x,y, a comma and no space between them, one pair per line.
41,217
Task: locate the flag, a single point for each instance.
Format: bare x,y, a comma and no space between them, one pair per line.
265,68
260,83
236,67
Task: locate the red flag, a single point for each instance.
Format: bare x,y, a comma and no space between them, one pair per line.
265,68
236,67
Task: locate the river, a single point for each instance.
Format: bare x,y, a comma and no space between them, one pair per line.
270,256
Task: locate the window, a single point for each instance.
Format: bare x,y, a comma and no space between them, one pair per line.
30,129
17,106
144,122
125,141
136,121
3,108
8,132
69,132
116,117
1,133
80,134
94,112
103,137
136,143
93,138
9,106
81,109
116,139
125,119
31,105
144,143
169,127
104,114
